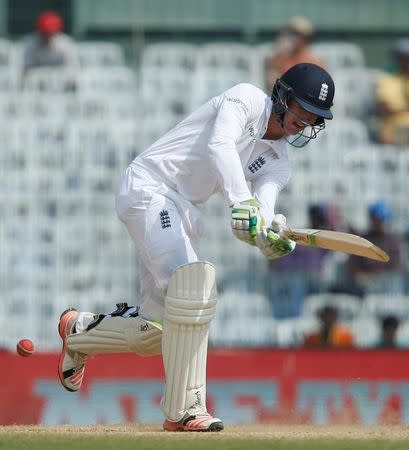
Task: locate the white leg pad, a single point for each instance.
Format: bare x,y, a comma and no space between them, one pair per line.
190,306
119,335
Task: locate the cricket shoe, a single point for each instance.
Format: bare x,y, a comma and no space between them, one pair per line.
71,365
202,422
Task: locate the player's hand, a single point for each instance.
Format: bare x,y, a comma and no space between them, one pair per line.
246,221
278,223
271,243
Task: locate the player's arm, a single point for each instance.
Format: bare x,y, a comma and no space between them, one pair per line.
237,108
233,115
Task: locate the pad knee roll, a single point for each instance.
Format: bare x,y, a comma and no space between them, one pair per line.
191,295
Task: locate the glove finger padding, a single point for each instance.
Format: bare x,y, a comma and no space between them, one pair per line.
278,222
272,245
246,221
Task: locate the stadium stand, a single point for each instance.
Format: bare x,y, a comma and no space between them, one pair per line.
337,54
63,152
100,54
380,305
348,306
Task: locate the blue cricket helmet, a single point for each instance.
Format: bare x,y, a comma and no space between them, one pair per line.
312,87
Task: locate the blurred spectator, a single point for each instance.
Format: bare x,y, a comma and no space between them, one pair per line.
405,259
302,268
390,325
291,47
307,270
393,99
331,334
361,270
49,46
308,260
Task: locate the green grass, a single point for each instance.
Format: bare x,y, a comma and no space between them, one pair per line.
78,441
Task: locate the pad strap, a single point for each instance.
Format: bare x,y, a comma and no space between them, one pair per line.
118,333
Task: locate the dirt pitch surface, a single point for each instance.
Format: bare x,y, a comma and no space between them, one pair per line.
274,432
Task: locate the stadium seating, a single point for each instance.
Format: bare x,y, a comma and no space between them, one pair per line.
100,54
366,331
164,56
240,314
63,152
48,80
339,54
356,91
348,306
118,79
402,337
380,305
291,332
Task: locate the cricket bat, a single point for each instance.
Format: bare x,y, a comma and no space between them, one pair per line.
336,240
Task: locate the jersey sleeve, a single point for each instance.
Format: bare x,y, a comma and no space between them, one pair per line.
235,110
266,189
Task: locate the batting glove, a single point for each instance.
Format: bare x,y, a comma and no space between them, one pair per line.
278,223
271,244
246,221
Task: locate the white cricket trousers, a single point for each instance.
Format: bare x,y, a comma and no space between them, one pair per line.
165,229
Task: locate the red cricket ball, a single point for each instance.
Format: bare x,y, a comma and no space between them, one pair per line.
25,347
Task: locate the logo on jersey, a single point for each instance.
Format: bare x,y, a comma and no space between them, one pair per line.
238,102
323,92
257,164
164,219
252,133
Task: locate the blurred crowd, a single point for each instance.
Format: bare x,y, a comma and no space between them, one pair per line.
293,45
332,334
49,46
351,275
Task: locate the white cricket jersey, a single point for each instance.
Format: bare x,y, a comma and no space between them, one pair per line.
219,147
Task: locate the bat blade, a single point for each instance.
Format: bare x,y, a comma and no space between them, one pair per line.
337,241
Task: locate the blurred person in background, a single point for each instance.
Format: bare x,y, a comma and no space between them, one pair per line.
331,334
393,99
389,330
291,47
405,258
307,260
235,144
48,46
360,270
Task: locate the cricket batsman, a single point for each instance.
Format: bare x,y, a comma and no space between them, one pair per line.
237,144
